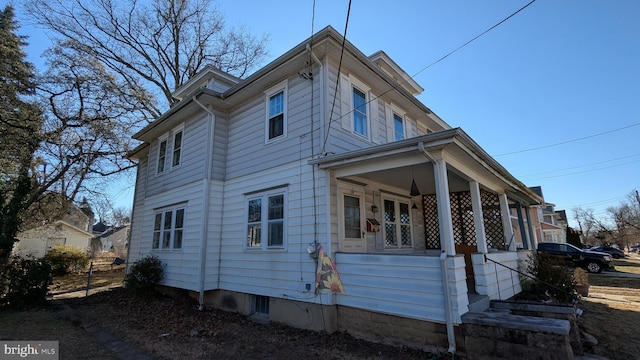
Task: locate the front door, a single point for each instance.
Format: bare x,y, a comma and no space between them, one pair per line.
351,225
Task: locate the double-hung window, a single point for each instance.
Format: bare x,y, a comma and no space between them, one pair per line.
168,228
266,220
276,121
162,155
360,112
170,147
397,223
177,147
398,127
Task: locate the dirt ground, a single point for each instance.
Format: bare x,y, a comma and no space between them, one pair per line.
175,329
113,324
612,311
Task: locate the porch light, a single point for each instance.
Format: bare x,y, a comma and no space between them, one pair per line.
414,189
374,209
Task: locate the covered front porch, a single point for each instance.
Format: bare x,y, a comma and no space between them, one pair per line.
411,216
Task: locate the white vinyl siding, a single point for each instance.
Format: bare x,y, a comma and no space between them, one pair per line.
192,156
407,286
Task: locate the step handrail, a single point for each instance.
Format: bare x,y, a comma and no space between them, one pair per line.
573,296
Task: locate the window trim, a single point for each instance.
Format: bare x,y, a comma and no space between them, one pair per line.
175,131
268,94
164,138
264,196
360,86
172,230
396,201
395,116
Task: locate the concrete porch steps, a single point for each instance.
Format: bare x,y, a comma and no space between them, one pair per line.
510,331
478,303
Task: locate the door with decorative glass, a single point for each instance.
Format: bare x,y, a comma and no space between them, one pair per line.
397,224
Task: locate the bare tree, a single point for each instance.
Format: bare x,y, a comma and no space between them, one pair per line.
87,126
586,222
156,45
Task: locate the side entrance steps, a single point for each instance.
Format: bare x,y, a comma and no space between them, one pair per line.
510,330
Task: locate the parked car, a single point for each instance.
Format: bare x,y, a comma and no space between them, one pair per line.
634,248
615,252
592,261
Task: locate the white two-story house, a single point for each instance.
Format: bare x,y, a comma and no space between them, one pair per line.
242,181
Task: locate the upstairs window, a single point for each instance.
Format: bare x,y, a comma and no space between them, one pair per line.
359,112
162,155
266,215
177,148
398,127
276,121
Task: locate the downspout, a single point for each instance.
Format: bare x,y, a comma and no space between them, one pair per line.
205,203
321,73
321,122
445,279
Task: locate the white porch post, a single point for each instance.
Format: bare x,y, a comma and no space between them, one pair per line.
445,224
478,218
506,222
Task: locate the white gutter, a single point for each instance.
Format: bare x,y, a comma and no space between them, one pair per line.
205,203
447,303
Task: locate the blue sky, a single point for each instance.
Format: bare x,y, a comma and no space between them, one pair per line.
557,72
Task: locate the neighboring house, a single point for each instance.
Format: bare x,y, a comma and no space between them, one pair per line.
552,224
114,239
72,229
241,182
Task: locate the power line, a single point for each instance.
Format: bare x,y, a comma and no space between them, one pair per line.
568,141
576,167
580,172
335,93
475,38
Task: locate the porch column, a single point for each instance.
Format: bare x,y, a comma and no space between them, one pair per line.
532,239
478,218
445,224
506,222
523,231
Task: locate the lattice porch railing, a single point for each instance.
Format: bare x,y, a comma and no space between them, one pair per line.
462,218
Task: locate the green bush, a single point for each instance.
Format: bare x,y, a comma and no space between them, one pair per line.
24,282
555,280
65,259
144,275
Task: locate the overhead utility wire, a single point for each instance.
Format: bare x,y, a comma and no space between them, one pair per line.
568,141
398,83
576,167
475,38
580,172
335,93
